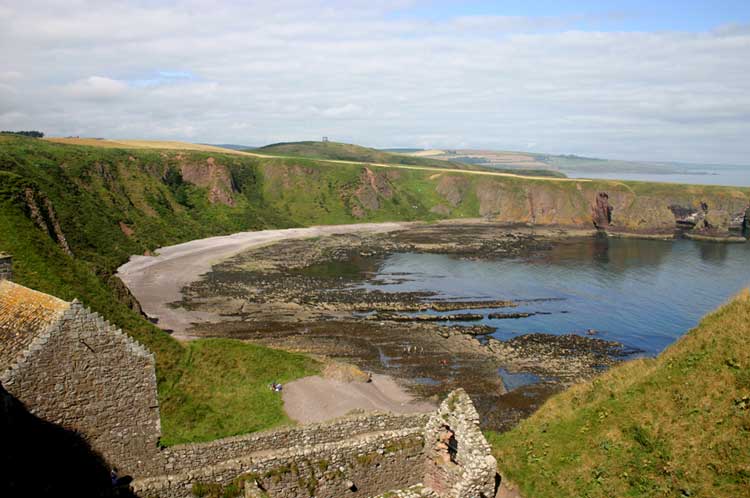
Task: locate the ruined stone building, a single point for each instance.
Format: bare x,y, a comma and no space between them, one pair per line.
70,368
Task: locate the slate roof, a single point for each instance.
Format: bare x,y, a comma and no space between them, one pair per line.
24,314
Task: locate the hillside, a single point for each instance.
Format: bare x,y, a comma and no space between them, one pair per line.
350,152
71,214
677,425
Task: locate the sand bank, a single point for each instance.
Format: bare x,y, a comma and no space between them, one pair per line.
157,281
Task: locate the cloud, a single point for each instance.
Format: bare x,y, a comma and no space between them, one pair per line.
252,72
95,88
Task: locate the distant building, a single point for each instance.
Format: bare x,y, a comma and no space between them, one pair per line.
325,139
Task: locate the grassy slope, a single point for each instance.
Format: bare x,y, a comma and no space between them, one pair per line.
89,207
224,390
677,425
351,152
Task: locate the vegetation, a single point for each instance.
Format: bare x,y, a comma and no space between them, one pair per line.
92,191
349,152
113,201
224,389
532,172
30,133
677,425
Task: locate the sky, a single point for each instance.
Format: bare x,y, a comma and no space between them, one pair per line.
660,80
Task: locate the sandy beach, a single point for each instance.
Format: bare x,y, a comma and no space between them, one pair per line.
156,281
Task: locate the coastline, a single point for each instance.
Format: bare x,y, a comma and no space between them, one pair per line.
156,281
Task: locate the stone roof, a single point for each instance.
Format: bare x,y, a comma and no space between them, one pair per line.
24,315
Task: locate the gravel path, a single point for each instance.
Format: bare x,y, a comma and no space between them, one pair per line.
315,399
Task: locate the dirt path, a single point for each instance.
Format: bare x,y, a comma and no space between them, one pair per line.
157,281
315,399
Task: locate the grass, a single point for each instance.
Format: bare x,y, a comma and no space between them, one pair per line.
350,152
676,425
96,190
223,390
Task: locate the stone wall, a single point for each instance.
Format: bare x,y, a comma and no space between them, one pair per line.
179,458
363,455
80,375
364,465
6,267
458,461
85,375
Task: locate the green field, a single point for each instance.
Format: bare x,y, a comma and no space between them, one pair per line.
350,152
677,425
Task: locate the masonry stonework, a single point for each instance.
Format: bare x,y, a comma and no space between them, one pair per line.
458,459
185,457
70,367
86,375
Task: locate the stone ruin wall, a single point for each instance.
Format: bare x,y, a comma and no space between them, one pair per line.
86,375
354,456
364,465
185,457
458,461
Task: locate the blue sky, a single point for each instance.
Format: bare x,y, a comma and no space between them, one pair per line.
659,80
592,15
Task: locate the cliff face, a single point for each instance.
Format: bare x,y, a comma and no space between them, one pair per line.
110,203
618,207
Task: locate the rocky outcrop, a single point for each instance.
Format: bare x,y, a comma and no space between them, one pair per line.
123,294
372,186
441,210
602,211
453,189
45,218
716,220
212,176
643,215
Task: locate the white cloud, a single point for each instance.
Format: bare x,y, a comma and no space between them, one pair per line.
95,88
258,73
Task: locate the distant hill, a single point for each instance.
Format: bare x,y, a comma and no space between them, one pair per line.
405,150
520,163
233,146
351,152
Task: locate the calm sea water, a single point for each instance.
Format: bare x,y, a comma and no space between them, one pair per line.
643,293
737,176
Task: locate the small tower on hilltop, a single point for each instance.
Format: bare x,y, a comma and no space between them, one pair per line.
325,140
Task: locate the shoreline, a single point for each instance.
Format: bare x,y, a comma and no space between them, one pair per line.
156,281
424,359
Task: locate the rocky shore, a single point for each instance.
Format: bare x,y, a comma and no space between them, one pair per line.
307,295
